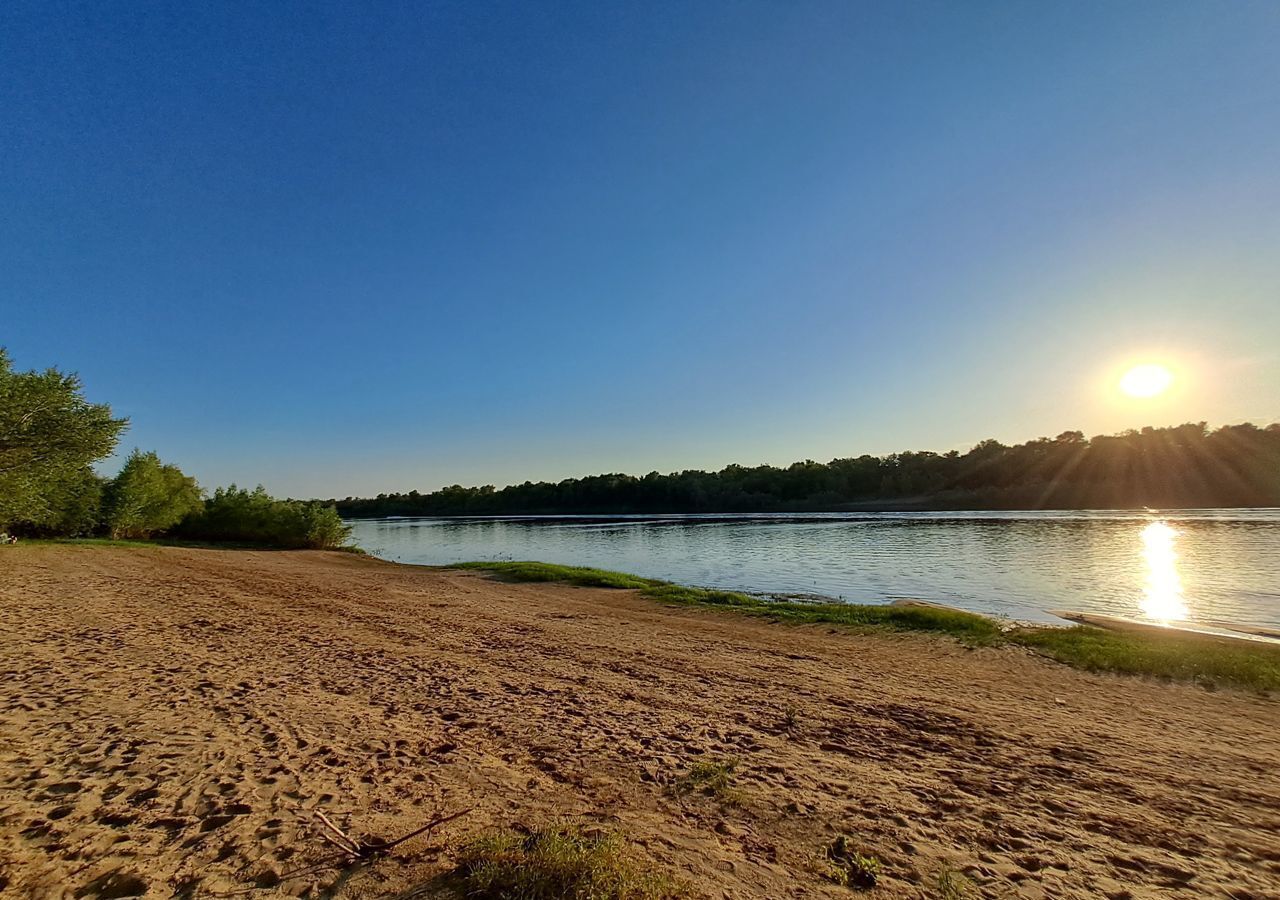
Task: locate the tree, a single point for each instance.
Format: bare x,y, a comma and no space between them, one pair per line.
1183,466
49,435
78,505
149,497
238,516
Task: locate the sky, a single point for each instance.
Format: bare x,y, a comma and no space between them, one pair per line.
339,249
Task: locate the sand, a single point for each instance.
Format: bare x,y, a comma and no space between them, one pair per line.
170,717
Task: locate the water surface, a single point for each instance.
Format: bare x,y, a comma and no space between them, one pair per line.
1193,566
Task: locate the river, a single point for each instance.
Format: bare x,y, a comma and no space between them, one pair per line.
1193,566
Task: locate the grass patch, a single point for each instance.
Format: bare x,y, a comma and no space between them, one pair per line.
82,542
1249,665
579,575
712,777
136,543
972,629
560,861
951,885
844,865
1176,656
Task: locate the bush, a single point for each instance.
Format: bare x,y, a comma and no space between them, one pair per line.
148,497
235,515
559,862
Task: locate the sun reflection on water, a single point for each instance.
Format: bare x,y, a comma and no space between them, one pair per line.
1163,594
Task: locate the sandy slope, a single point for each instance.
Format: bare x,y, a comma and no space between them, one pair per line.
169,716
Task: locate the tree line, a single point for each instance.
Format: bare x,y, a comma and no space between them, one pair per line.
50,438
1186,466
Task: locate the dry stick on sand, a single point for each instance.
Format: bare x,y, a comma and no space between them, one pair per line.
351,850
339,837
359,850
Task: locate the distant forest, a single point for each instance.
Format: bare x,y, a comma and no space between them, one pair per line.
1186,466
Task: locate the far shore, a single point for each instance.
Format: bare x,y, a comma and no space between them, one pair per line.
179,718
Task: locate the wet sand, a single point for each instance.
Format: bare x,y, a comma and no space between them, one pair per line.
170,717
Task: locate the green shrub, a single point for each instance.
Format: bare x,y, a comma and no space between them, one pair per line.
235,515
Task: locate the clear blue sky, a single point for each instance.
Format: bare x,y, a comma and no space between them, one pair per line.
346,248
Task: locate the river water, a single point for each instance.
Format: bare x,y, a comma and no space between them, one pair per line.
1194,566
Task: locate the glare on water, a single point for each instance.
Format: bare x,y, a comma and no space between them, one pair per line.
1163,601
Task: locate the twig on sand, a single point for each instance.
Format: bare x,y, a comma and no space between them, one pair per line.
367,850
351,850
340,839
378,848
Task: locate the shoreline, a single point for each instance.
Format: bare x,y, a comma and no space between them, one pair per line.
1268,635
1223,631
1209,660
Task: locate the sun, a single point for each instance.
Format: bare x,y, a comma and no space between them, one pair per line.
1147,380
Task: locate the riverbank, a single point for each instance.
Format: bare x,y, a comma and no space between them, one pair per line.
1209,660
176,715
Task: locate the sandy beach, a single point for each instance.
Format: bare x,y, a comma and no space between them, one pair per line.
171,718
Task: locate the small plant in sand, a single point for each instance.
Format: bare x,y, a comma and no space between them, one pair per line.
713,777
790,720
559,861
950,885
844,865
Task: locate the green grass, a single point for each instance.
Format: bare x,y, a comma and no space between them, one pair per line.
970,628
135,543
950,885
559,861
713,777
1173,655
1249,665
80,542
